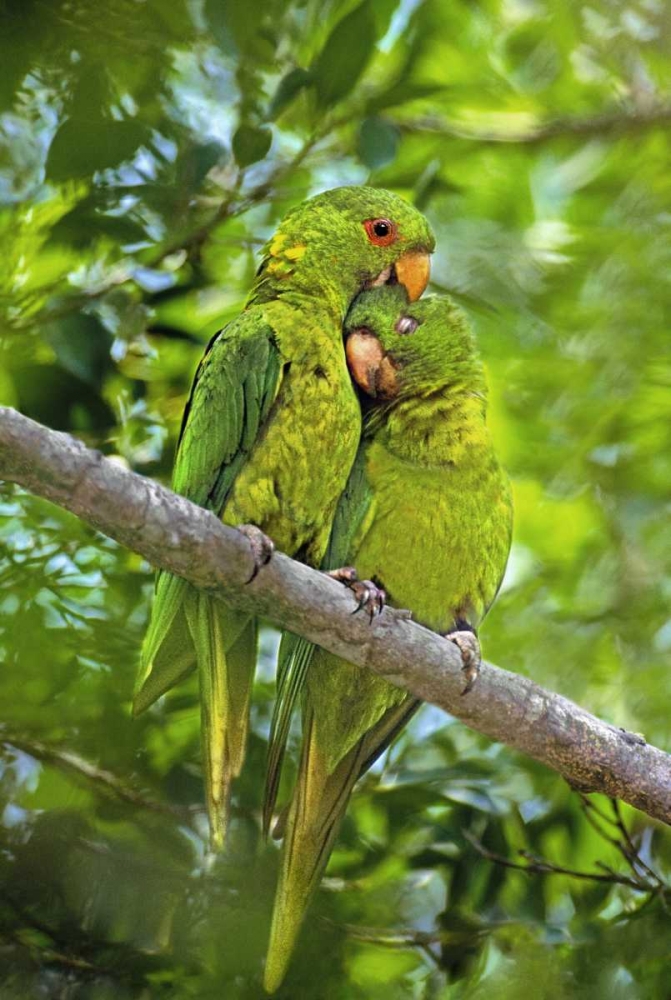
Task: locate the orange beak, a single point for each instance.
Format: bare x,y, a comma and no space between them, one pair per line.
413,270
369,366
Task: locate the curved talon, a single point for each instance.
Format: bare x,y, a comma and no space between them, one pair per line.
469,647
369,596
360,590
262,547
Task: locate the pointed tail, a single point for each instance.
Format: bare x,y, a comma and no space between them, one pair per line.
314,818
225,644
318,806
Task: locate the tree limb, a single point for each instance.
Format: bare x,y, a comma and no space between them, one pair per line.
615,122
175,535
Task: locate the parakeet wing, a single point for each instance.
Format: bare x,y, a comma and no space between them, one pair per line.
237,380
235,385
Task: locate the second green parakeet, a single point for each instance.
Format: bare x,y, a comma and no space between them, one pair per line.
427,516
268,438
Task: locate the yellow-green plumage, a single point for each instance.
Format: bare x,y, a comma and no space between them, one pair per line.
268,438
427,515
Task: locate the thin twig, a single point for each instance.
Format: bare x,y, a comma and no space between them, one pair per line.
103,779
537,866
631,847
60,951
622,843
49,956
231,206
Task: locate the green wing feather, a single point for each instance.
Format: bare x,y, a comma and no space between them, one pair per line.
234,388
226,670
235,385
294,660
295,654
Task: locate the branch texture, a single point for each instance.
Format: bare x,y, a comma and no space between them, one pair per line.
178,536
608,124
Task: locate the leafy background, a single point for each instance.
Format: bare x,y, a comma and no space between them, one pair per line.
146,150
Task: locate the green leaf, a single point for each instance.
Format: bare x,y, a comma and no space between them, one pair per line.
402,92
288,88
196,162
7,392
251,143
378,142
175,18
80,147
345,55
90,219
231,24
82,346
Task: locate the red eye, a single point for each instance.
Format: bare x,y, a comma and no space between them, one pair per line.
381,232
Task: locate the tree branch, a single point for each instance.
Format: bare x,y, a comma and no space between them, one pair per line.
104,780
538,866
619,121
175,535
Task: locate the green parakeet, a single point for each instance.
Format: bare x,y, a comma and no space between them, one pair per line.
427,516
268,439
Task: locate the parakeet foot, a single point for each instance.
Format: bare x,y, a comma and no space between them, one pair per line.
467,642
371,598
262,547
344,574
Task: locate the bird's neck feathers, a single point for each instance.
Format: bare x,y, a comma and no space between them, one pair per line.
292,271
442,425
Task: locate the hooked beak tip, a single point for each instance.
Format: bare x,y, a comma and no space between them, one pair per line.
412,270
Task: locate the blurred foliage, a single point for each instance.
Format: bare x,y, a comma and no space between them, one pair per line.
145,153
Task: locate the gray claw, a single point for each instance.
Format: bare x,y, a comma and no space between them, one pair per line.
369,596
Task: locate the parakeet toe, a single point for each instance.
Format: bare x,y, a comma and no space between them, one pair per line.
371,598
344,574
469,647
262,547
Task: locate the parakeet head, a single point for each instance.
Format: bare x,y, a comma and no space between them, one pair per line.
343,241
397,349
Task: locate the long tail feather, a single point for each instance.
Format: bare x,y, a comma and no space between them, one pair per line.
316,812
226,677
293,663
